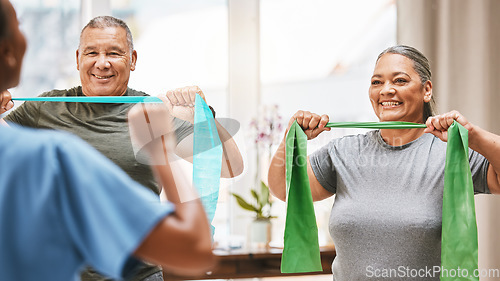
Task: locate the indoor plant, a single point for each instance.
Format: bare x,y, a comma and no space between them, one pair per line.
259,234
262,209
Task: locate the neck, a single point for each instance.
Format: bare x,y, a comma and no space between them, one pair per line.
398,137
107,95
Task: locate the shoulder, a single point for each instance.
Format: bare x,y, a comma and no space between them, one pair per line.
35,139
38,149
76,91
132,92
48,149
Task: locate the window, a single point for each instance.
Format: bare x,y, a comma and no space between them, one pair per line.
319,56
52,30
179,43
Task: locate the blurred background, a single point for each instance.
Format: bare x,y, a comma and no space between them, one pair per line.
260,61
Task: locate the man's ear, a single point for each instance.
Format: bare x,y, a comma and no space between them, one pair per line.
428,91
77,60
134,60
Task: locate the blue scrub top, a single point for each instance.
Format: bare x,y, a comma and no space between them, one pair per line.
63,205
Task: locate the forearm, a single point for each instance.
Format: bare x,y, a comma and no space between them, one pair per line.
488,145
182,241
169,175
277,171
232,162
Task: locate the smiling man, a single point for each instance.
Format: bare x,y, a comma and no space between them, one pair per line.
105,58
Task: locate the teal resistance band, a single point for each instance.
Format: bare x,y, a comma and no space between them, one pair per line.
207,147
110,99
207,158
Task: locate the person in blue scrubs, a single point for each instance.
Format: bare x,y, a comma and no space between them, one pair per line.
63,205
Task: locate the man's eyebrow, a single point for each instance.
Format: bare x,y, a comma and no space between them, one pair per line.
116,48
88,48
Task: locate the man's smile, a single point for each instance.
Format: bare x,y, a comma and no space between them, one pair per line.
102,77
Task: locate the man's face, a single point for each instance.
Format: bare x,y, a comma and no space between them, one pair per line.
104,61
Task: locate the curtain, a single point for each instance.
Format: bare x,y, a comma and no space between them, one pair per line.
461,38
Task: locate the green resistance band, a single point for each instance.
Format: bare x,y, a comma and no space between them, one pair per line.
459,231
376,125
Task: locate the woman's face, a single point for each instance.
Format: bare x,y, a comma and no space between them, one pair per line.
396,91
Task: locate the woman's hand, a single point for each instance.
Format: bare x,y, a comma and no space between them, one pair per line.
438,125
6,102
312,124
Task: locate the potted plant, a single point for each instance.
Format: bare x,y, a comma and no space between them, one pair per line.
260,228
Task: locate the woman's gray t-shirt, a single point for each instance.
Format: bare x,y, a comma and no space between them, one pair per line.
386,218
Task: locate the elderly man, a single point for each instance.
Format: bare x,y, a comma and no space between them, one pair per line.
105,58
64,205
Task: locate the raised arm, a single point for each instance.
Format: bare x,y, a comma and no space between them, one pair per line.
181,242
313,125
480,140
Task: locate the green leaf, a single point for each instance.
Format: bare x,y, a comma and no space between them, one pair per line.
243,204
264,192
254,194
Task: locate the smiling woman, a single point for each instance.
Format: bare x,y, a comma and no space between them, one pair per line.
105,57
395,74
394,204
408,73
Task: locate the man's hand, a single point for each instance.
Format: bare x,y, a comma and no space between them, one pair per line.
180,102
6,102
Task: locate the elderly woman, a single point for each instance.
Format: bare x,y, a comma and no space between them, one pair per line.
389,183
